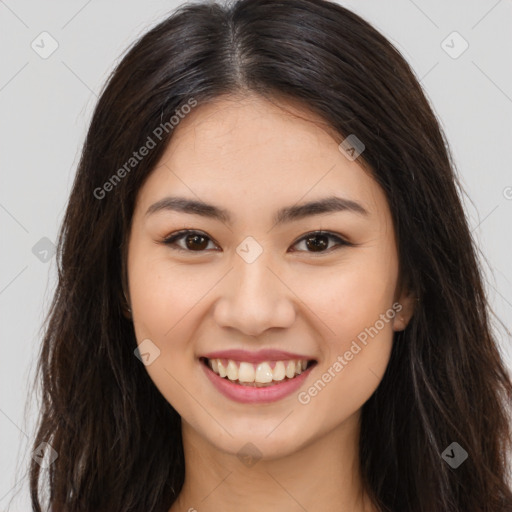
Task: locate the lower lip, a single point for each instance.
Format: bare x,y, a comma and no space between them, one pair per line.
250,394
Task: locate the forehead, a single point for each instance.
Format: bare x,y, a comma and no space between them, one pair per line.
251,153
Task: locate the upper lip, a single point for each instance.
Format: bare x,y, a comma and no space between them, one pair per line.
256,357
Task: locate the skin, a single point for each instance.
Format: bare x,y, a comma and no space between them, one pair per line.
251,158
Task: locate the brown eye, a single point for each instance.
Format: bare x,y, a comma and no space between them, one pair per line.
318,241
194,241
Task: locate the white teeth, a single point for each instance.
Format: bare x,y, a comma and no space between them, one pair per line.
246,372
290,369
232,370
222,370
261,373
279,371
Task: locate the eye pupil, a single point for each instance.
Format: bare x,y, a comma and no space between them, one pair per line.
315,245
194,239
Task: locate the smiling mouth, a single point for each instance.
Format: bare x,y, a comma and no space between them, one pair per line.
263,374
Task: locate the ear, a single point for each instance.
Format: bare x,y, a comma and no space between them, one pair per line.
407,301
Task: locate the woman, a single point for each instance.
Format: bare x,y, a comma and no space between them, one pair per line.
268,295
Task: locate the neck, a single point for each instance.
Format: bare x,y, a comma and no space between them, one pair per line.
321,476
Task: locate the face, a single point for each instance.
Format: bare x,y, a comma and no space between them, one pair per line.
254,282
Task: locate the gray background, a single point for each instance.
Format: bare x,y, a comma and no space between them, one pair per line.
46,104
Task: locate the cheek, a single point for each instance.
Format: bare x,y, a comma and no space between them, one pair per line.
354,360
163,293
351,297
165,301
354,304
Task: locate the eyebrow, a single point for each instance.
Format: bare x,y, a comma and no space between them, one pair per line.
287,214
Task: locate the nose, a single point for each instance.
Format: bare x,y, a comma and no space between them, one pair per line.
254,298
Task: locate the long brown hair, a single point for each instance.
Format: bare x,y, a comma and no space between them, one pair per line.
118,440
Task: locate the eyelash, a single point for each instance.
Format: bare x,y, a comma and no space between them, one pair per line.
171,240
